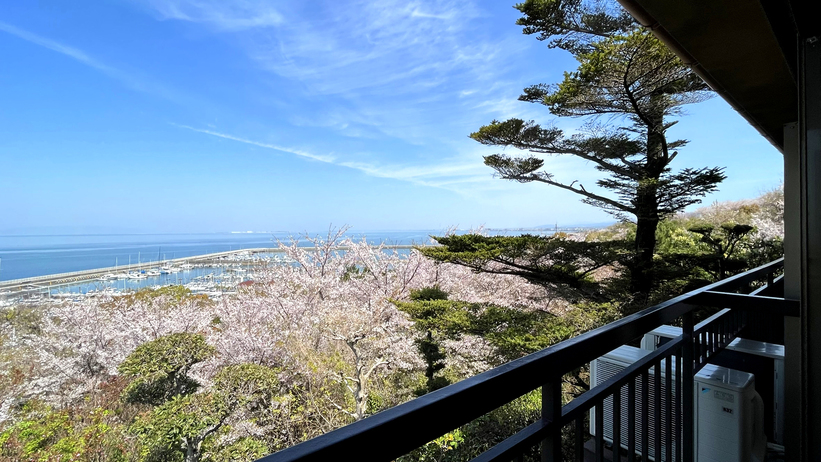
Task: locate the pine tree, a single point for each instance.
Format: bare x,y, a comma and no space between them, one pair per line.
629,76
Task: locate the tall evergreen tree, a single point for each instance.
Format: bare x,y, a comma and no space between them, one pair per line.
627,74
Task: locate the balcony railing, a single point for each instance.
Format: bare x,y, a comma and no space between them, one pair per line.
744,311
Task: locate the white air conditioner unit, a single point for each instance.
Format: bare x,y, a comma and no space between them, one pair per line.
758,358
728,412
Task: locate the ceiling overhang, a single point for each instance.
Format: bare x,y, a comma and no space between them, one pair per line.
743,49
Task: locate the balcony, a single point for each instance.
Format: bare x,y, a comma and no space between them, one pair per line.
750,305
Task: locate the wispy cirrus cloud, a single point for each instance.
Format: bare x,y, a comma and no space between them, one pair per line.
297,152
60,48
390,68
129,79
387,47
406,72
443,175
221,14
355,47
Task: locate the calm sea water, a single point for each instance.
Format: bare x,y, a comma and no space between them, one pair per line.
27,256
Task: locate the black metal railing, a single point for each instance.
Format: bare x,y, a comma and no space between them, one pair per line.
664,435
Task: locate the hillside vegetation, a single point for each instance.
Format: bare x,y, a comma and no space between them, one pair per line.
165,375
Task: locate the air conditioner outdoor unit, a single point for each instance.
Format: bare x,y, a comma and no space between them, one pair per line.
758,358
728,411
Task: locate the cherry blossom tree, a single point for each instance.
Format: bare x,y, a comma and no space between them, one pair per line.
82,343
323,320
769,219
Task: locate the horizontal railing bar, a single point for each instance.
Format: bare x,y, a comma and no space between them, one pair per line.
587,400
710,349
534,432
776,289
439,412
514,445
706,322
773,289
433,415
749,302
705,325
739,280
761,290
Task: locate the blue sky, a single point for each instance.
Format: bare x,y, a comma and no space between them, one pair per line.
218,115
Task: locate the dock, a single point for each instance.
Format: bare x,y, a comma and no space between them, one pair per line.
41,283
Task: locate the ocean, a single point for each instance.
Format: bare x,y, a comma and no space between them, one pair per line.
28,256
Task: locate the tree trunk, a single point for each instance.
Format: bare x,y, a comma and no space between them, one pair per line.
191,452
360,392
647,207
641,271
361,399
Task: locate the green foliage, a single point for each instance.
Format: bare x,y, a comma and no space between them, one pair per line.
441,449
474,438
187,426
512,332
428,346
244,449
158,370
428,293
573,25
657,85
561,263
175,294
434,359
700,249
448,318
590,315
25,320
626,74
762,250
179,426
42,433
251,387
630,73
673,237
515,333
354,272
723,242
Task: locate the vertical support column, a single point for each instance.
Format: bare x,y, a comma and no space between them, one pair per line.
809,157
793,344
687,387
552,411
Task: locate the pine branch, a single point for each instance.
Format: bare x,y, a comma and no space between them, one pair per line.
505,166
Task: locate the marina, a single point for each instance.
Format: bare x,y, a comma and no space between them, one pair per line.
70,267
214,275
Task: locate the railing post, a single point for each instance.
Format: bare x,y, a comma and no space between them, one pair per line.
687,386
552,412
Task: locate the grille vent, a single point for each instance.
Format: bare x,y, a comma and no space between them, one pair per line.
606,369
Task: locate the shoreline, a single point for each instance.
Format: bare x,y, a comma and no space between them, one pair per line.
45,281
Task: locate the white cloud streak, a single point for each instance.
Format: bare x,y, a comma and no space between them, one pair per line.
221,14
387,47
389,68
438,176
127,78
297,152
60,48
